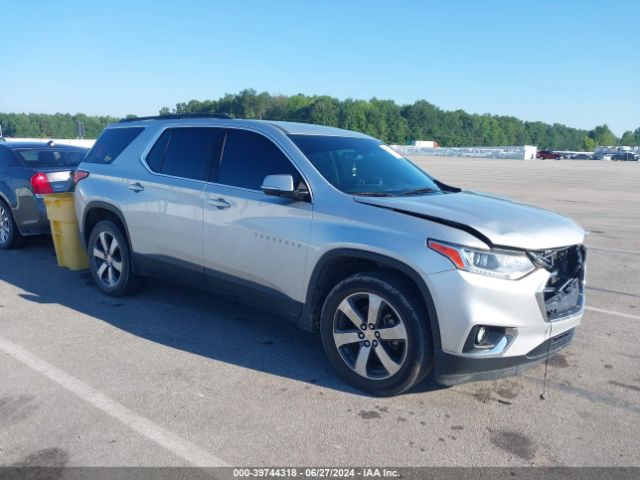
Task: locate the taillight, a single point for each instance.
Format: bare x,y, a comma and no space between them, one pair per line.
40,184
79,175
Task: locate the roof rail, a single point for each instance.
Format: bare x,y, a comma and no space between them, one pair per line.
176,116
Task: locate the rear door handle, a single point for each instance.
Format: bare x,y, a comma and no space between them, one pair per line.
219,203
136,187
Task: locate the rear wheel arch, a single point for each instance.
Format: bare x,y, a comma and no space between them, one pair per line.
5,198
11,230
98,211
336,265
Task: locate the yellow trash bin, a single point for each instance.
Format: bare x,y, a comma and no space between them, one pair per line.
64,230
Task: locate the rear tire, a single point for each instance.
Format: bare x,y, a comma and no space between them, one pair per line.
110,261
375,331
10,236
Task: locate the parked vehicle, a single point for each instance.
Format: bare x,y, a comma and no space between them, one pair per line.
399,272
624,157
548,155
581,156
29,170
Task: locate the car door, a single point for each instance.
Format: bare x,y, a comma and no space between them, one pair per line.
255,245
166,217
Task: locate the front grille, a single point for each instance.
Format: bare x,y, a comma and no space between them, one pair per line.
563,294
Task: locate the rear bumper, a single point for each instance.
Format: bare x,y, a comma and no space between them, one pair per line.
33,218
454,369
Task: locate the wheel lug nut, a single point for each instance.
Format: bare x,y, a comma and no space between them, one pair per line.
372,326
377,334
363,326
375,343
367,343
361,335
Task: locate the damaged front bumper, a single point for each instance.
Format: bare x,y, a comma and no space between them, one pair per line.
530,318
455,369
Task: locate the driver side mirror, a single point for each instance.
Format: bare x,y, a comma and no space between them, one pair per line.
282,186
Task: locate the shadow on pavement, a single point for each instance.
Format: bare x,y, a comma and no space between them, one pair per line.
180,317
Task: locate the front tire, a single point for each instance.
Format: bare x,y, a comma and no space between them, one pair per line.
110,261
10,237
376,333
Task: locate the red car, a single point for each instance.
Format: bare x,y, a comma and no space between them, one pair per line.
548,155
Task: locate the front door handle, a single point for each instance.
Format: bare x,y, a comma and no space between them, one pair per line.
136,187
219,203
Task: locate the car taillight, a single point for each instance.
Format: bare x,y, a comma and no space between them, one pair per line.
40,184
79,175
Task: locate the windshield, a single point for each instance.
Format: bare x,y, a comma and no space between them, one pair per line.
47,157
363,166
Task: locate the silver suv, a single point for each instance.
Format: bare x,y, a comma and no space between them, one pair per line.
400,273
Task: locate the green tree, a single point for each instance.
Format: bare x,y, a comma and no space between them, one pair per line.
630,138
601,135
384,119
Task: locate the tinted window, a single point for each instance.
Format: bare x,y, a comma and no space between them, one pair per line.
111,144
363,166
156,154
249,157
48,157
189,152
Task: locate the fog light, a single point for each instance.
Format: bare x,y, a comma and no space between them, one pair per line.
484,339
481,335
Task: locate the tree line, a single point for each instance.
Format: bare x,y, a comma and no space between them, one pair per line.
384,119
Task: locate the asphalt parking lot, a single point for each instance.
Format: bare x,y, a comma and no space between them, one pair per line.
177,377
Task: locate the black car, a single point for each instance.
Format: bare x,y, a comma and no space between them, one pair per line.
624,157
29,170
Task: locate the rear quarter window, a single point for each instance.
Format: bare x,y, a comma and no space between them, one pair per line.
112,143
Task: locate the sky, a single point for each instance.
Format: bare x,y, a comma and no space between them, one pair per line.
571,62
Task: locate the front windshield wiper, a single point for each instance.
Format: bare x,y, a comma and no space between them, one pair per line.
374,194
419,191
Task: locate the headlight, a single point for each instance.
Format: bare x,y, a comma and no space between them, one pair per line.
494,263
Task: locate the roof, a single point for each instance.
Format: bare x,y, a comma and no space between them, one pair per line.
57,146
290,128
298,128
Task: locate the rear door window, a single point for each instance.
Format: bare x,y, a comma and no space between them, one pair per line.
186,152
248,157
112,143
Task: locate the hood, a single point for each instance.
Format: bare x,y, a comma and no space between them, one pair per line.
501,222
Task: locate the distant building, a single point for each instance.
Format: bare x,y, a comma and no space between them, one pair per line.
611,150
522,152
425,143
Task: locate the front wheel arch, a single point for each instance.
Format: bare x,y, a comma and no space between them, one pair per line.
321,282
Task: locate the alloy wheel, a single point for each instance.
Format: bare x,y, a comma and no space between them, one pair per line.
4,225
370,336
107,257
